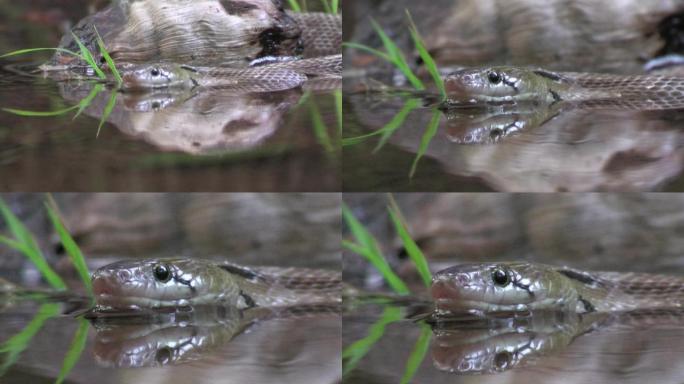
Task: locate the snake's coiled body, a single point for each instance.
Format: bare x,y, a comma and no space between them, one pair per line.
521,286
584,90
186,282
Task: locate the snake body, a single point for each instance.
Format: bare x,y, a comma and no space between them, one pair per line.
506,84
270,77
502,287
158,283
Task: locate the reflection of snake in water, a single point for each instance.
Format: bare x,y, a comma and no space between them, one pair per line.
522,286
188,282
586,90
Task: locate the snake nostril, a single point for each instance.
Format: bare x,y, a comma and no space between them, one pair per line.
124,275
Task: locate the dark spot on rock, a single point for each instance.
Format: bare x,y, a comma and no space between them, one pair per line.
270,41
238,125
237,7
671,30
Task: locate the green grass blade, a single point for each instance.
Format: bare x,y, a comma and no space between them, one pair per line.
19,342
368,248
425,56
426,139
294,5
320,130
418,354
25,113
336,6
396,122
398,58
353,353
75,350
26,244
83,104
70,245
338,111
88,57
326,6
410,246
368,49
107,111
108,59
32,50
386,131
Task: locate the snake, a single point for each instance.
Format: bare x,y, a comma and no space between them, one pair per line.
509,85
183,282
277,76
482,288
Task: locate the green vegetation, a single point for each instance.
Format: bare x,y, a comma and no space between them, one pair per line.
85,55
394,55
329,6
24,242
367,246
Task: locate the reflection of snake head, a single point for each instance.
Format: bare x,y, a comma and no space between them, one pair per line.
146,77
501,287
486,129
485,354
502,84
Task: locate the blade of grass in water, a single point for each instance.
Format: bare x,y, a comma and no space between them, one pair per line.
358,349
19,342
88,57
367,247
410,246
70,245
108,59
370,50
320,130
82,105
388,129
336,6
26,244
107,111
22,112
397,58
418,354
426,139
425,56
32,50
75,350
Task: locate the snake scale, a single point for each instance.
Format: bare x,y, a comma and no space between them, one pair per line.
521,286
158,283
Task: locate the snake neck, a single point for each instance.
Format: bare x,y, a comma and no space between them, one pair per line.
614,292
274,286
632,92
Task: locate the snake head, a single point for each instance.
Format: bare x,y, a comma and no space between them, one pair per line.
157,283
155,76
499,287
500,84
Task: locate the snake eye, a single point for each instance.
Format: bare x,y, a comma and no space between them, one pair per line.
502,360
496,133
501,277
164,356
162,273
155,72
494,77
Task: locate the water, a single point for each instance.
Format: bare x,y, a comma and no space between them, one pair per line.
207,346
207,141
547,151
544,348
